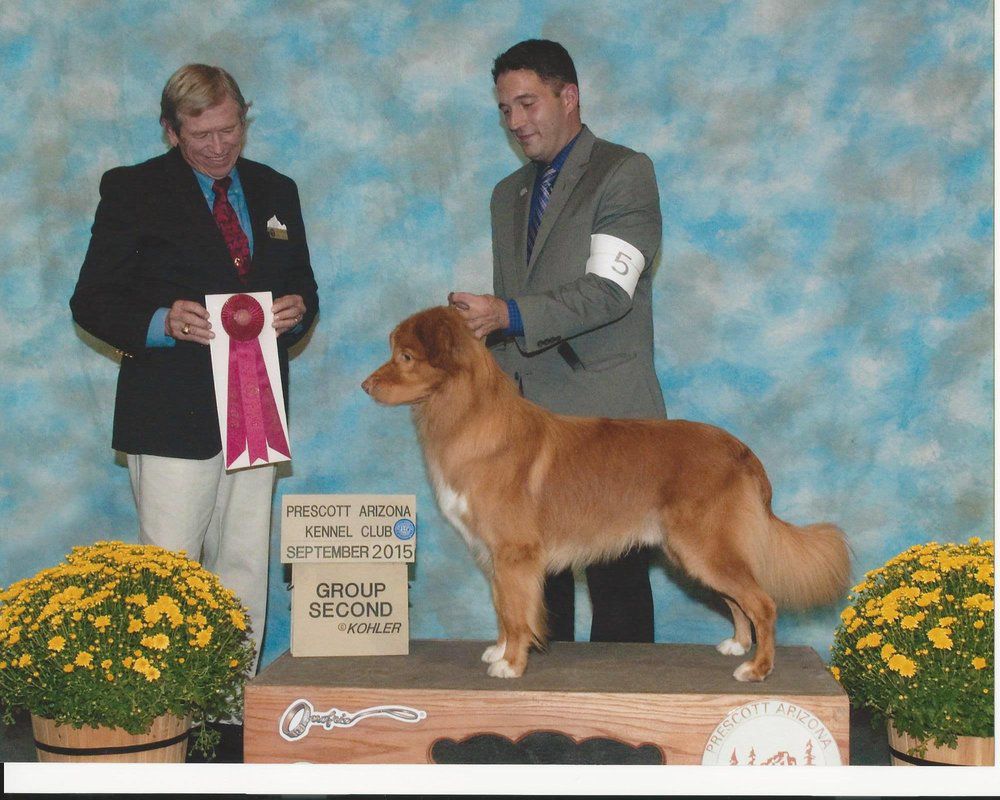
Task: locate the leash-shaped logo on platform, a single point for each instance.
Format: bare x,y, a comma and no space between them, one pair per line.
300,716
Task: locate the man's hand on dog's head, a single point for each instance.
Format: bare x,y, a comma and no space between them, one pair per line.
483,313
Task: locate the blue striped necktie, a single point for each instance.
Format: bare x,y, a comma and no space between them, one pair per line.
544,189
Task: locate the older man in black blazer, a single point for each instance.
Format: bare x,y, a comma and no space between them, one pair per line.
197,220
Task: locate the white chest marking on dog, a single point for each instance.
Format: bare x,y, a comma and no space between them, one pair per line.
455,507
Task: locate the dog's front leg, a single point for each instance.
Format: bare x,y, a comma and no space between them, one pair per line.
517,590
495,652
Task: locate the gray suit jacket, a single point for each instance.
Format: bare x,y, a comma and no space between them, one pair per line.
602,188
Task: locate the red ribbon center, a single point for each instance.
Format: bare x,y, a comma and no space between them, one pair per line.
242,317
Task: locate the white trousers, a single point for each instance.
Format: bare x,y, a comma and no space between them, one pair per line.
222,519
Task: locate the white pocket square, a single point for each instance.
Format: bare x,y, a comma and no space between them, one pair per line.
275,229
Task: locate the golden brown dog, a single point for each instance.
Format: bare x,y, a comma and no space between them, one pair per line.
535,492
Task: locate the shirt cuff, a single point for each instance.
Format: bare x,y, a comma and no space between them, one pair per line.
156,335
516,326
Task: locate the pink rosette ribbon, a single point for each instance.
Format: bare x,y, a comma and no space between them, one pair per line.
253,422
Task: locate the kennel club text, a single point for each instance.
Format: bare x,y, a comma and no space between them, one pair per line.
345,531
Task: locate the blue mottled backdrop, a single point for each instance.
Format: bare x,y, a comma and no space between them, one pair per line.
824,288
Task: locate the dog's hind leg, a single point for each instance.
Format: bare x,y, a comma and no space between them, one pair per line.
739,584
731,576
740,643
518,575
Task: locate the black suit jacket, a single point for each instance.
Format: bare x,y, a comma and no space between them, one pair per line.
155,241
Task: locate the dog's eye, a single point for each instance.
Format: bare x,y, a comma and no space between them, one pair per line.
406,357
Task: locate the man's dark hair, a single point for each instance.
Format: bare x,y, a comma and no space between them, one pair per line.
548,59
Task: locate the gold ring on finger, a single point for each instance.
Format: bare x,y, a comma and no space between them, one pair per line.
186,329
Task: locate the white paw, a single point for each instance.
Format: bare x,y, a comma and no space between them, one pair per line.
730,647
494,652
501,669
745,672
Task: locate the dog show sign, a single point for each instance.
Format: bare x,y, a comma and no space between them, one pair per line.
321,528
349,556
350,610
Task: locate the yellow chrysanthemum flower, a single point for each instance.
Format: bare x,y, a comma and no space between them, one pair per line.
979,663
83,659
158,642
203,637
929,598
940,638
57,643
904,666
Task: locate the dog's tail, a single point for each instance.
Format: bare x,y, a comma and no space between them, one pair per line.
805,566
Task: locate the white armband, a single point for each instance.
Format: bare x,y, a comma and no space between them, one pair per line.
616,260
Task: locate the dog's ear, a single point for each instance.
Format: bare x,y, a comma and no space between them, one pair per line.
440,335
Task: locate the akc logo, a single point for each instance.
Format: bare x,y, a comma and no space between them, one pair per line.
404,529
771,732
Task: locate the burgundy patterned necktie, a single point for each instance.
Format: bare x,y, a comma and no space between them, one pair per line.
229,224
541,201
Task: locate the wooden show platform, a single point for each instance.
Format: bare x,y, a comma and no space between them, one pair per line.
577,703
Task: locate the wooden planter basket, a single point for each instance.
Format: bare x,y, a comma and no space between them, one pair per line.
164,742
972,751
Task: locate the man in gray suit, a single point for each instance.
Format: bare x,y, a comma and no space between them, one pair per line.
575,233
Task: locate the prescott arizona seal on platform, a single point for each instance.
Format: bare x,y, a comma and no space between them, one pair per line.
404,529
771,732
